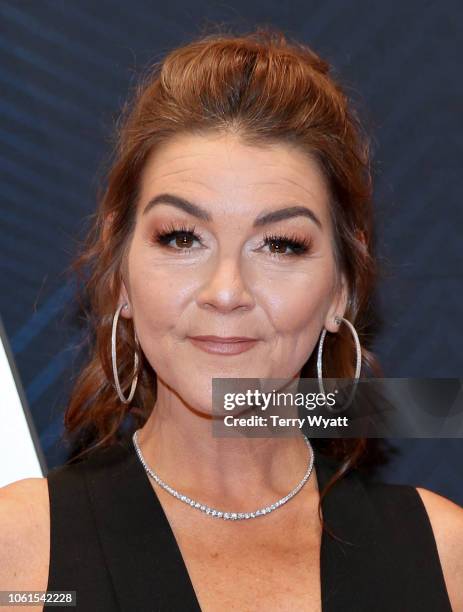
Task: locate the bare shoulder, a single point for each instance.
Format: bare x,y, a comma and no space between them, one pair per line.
24,487
446,518
28,497
24,534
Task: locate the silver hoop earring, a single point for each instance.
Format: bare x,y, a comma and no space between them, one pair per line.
114,360
358,365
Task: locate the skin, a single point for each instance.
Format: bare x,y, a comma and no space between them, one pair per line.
228,285
226,289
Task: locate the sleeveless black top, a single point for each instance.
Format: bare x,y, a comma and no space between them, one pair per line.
111,542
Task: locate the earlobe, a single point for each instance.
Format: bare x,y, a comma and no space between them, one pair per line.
126,310
333,322
334,317
123,299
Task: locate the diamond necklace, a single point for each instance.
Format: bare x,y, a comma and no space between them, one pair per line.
219,513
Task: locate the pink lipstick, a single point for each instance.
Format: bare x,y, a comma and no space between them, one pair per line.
218,345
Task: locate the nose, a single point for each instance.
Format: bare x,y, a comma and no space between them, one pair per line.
225,289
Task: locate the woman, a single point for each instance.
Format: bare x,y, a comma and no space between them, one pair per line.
238,206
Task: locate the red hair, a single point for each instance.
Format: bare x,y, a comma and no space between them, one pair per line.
266,89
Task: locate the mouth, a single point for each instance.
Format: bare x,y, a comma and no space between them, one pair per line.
223,346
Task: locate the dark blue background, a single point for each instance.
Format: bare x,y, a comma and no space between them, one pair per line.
65,72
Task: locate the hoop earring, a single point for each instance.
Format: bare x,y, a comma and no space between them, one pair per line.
123,399
358,365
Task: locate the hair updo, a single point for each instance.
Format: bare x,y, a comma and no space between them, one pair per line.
266,89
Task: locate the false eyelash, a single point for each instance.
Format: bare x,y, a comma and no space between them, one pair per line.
167,232
300,246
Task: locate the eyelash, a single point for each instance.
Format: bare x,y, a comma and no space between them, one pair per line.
169,232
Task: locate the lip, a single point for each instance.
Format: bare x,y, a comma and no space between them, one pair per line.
223,346
224,338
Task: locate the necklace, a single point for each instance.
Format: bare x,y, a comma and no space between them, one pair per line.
219,513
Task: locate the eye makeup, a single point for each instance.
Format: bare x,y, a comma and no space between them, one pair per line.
284,245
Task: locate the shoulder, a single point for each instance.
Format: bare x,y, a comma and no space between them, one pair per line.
446,520
24,530
25,499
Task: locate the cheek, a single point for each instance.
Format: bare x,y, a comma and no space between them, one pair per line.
296,318
298,303
159,299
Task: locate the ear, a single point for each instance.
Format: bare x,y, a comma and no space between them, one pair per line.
126,312
338,306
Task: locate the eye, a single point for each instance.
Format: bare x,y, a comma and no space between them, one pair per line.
279,245
182,235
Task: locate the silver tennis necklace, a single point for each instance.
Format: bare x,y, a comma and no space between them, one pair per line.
220,513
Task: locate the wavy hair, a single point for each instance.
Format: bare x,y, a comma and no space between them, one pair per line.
266,89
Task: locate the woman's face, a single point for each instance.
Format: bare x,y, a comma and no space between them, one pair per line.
227,272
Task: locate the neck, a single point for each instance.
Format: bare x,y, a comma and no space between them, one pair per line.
179,446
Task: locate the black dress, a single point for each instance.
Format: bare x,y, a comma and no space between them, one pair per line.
111,542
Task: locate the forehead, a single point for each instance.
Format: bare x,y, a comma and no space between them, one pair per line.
222,172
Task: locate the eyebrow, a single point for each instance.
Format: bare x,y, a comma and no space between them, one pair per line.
263,219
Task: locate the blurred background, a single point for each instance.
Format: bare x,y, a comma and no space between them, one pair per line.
66,70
